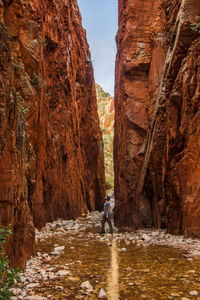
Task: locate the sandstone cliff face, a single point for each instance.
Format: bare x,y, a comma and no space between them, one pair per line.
156,102
17,162
51,161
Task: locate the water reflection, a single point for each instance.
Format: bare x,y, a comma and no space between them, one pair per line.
113,274
139,273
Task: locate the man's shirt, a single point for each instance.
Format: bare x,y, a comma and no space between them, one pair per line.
106,205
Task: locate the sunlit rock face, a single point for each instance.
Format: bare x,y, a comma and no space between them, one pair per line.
156,146
51,162
106,114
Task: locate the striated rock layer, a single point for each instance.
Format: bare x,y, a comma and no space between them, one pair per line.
17,161
156,148
51,162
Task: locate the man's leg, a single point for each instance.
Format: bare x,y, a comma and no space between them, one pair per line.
103,224
110,224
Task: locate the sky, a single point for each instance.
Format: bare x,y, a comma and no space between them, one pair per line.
100,18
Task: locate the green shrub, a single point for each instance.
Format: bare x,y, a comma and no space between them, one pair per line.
7,273
109,183
196,26
20,104
18,65
44,43
36,82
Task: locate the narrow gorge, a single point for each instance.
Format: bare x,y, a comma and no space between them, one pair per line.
57,150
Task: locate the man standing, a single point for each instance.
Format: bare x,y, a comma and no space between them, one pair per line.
106,216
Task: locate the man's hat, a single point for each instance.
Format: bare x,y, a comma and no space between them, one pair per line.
107,198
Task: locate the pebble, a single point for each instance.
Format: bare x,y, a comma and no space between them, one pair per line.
59,249
32,285
102,294
146,237
128,269
51,276
34,298
155,233
55,253
63,273
59,288
191,271
87,286
193,293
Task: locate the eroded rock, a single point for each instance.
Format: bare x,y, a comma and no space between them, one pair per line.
51,163
156,148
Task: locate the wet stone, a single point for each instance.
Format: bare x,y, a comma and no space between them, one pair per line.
59,288
87,286
55,253
124,265
59,249
128,269
102,294
146,238
193,293
175,295
63,273
34,298
32,285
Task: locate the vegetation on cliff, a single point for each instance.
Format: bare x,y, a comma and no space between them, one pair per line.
106,114
7,273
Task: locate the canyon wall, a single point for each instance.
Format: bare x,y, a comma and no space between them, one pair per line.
51,162
156,145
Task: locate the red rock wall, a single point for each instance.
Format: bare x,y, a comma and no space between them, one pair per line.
157,50
51,161
17,162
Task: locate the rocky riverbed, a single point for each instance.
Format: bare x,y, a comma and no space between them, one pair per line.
75,262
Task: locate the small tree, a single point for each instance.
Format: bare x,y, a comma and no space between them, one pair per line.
7,273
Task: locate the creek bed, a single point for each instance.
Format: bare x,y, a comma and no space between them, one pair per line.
75,262
123,271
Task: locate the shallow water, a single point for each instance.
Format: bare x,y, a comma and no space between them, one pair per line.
152,272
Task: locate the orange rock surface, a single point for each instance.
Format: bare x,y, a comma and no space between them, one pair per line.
156,103
106,114
51,162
